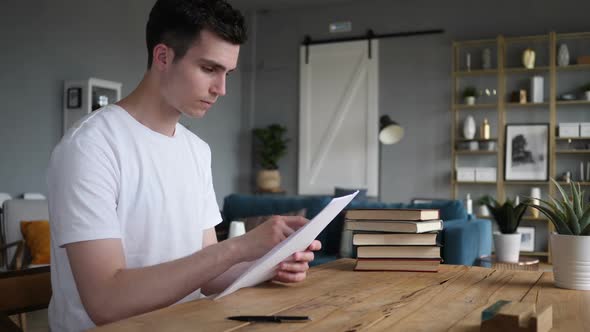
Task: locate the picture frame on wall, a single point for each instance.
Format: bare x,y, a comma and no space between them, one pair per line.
526,152
527,241
74,97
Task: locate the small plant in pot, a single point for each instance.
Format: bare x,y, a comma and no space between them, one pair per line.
508,217
570,245
270,148
469,95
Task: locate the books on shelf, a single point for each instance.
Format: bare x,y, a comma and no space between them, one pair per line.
392,214
398,252
400,226
367,239
397,264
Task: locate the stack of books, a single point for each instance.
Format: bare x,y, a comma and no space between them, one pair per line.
395,239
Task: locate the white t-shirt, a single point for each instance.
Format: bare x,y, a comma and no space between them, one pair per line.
112,177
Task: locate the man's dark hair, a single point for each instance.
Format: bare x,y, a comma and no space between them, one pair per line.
178,24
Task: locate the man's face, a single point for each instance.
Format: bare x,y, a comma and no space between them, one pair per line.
192,84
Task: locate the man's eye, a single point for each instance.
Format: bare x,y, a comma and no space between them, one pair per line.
207,69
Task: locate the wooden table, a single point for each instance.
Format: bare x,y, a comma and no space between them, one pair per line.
339,299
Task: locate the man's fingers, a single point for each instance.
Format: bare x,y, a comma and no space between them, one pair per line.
303,256
295,222
294,267
315,246
288,277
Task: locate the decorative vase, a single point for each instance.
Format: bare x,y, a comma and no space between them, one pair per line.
528,58
268,180
571,261
485,129
507,247
563,56
470,100
535,195
486,58
469,127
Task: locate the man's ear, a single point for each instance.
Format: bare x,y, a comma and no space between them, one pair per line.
162,56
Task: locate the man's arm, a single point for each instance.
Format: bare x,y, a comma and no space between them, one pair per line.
110,291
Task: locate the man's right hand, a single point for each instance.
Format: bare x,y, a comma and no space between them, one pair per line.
263,238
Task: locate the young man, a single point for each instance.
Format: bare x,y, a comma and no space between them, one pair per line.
131,198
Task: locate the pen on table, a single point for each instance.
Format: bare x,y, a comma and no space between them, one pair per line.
270,319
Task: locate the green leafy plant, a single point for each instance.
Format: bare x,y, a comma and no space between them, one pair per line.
272,145
569,216
585,87
507,215
470,91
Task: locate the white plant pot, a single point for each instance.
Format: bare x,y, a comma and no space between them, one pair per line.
507,247
470,100
571,261
588,95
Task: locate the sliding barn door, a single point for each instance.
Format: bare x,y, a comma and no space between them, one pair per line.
338,119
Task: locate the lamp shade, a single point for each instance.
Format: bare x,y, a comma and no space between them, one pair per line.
390,132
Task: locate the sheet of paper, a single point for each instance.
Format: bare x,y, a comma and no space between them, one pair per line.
264,268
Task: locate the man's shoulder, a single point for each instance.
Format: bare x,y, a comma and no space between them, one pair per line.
94,125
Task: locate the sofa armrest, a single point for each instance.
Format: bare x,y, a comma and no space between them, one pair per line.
465,241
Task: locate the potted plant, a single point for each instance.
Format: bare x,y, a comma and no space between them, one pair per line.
570,245
469,95
272,145
586,90
483,210
507,216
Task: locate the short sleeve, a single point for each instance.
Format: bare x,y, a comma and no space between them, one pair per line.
83,185
212,214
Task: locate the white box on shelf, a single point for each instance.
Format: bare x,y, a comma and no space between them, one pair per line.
485,174
537,89
585,129
465,174
569,129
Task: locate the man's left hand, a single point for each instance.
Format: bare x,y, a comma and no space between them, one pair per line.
294,268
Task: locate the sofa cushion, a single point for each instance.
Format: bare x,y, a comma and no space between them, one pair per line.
236,206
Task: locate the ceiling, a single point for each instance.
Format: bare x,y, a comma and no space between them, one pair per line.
282,4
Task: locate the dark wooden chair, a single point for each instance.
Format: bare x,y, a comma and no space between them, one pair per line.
23,291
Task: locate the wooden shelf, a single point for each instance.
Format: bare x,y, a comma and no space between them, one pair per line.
509,182
474,182
474,107
479,139
563,183
571,138
572,102
527,104
572,151
534,253
477,152
529,218
573,67
478,72
526,70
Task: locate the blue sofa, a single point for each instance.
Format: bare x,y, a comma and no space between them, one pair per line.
464,238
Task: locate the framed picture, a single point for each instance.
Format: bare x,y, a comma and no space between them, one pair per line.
74,98
527,242
526,152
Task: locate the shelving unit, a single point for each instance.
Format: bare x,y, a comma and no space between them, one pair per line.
506,75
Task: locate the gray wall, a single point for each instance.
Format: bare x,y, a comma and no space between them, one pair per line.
47,42
415,79
52,41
